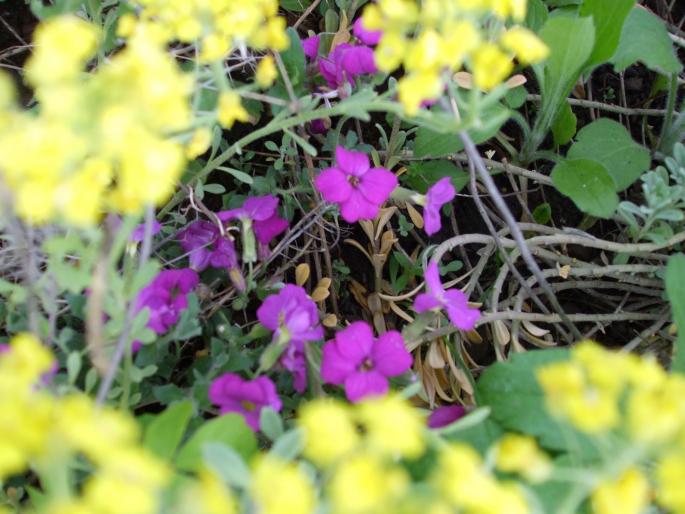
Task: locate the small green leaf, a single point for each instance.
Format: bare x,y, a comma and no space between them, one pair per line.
215,189
423,174
165,432
229,429
295,5
609,143
293,59
588,184
270,423
537,15
73,366
542,213
289,445
564,125
675,278
227,463
239,175
644,38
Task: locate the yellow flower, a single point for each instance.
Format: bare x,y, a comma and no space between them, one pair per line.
280,487
329,431
529,49
393,427
213,496
425,53
515,9
7,91
230,109
628,494
657,414
415,88
521,454
266,72
460,39
670,475
390,51
363,484
199,143
26,360
214,47
491,66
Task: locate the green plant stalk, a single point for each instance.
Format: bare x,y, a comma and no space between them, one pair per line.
668,136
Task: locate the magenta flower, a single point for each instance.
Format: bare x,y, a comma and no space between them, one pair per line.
291,315
139,232
361,363
294,359
263,212
359,189
367,37
345,63
439,194
203,241
166,297
453,301
245,397
310,46
443,416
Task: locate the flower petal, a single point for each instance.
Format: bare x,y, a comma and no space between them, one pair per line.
357,207
333,185
360,385
355,342
389,354
425,302
335,368
351,162
443,416
310,46
377,184
460,314
432,277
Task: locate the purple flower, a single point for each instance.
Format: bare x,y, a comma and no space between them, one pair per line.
443,416
263,211
361,363
346,62
245,397
139,232
368,37
318,126
359,189
310,46
294,320
291,314
453,301
203,241
438,195
166,297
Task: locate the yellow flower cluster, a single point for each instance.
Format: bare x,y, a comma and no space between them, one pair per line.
219,25
598,391
100,141
40,431
434,38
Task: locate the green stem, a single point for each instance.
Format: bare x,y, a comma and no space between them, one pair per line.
665,143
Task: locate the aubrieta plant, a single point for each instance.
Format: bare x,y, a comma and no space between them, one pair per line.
183,182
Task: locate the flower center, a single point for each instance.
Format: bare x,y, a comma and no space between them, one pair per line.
248,406
353,180
367,365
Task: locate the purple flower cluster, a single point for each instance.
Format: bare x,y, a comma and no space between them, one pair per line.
262,211
206,246
245,397
294,320
453,301
166,297
361,363
358,188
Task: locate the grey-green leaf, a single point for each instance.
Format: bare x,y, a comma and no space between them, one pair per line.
644,38
609,143
588,184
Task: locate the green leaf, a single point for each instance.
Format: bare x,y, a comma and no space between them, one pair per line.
240,175
215,189
536,15
542,213
423,174
229,429
270,423
608,16
166,430
609,143
293,60
227,463
644,38
588,184
295,5
565,125
512,391
570,41
289,445
675,278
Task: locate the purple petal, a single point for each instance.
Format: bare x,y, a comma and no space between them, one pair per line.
443,416
294,360
357,207
310,46
432,277
333,185
335,368
355,341
389,355
358,60
260,208
368,37
328,70
439,194
425,302
230,215
360,385
377,184
266,230
460,314
351,162
139,232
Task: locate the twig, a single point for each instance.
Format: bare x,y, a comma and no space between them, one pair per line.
306,13
590,104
